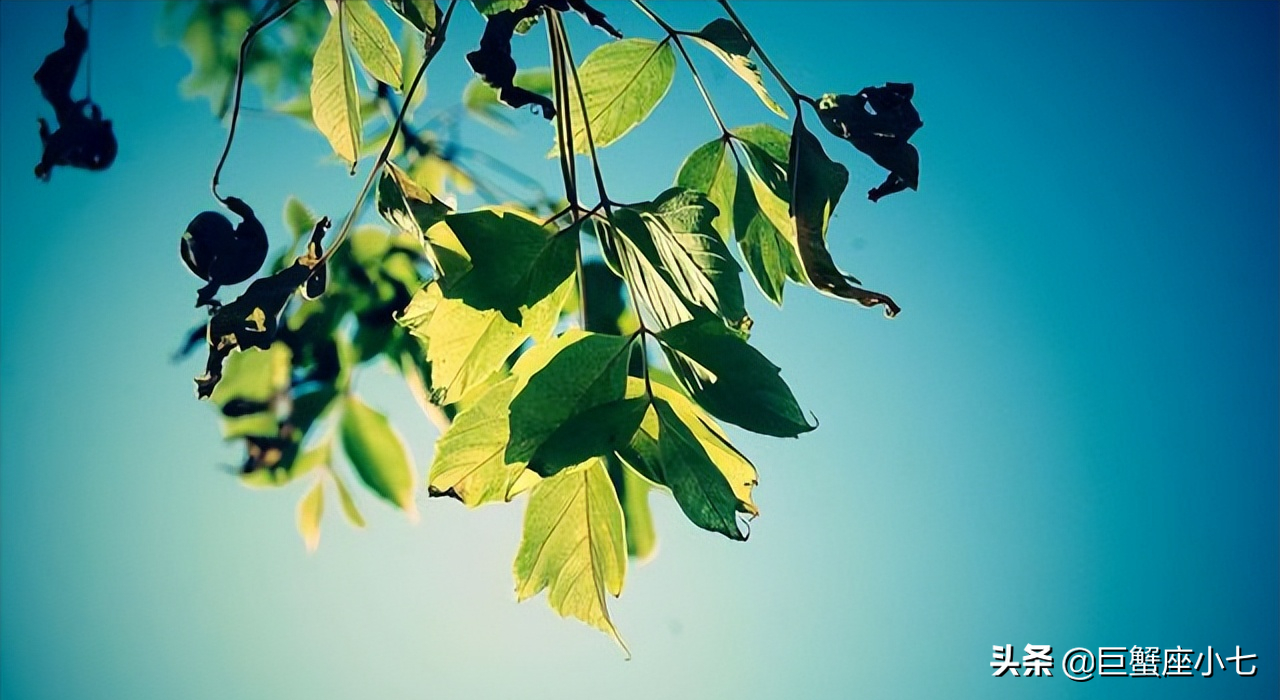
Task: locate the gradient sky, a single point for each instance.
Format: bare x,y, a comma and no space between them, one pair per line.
1068,437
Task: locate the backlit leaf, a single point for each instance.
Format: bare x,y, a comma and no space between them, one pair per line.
574,546
422,14
373,43
348,503
335,103
679,447
710,170
723,38
731,379
673,260
622,82
310,510
469,462
633,494
589,371
378,454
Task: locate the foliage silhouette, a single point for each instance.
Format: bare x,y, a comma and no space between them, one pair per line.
540,364
81,140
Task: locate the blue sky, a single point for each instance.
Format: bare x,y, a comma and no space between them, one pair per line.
1068,436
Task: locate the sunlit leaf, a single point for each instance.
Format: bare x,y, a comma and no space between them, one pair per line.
732,380
622,81
589,371
469,462
633,494
405,204
310,510
373,43
679,447
710,170
723,38
335,103
574,546
378,454
673,259
349,508
423,15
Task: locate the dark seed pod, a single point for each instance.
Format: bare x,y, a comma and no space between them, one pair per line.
221,255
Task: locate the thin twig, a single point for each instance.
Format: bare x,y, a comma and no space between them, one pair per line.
249,35
674,35
796,97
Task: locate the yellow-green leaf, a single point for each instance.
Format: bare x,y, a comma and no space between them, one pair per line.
378,454
723,38
348,503
622,81
310,510
373,43
335,103
469,464
574,545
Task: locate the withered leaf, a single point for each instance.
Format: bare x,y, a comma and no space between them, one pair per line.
251,321
878,121
493,61
816,185
81,140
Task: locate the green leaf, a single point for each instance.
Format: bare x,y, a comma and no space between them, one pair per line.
348,503
816,184
673,260
514,261
493,7
588,371
253,377
678,447
633,493
465,345
469,462
762,216
377,454
731,379
406,205
421,14
481,100
335,103
574,546
595,432
622,81
723,38
298,218
373,44
310,510
710,170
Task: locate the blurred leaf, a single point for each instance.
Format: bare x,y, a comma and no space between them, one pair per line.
348,503
469,462
573,545
304,464
633,494
481,100
710,170
493,7
298,218
816,183
310,510
731,379
377,454
585,371
254,375
334,98
622,82
373,44
723,38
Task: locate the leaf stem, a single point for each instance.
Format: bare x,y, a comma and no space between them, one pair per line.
281,11
675,35
796,97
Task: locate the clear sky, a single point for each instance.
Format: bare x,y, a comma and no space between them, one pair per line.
1068,437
